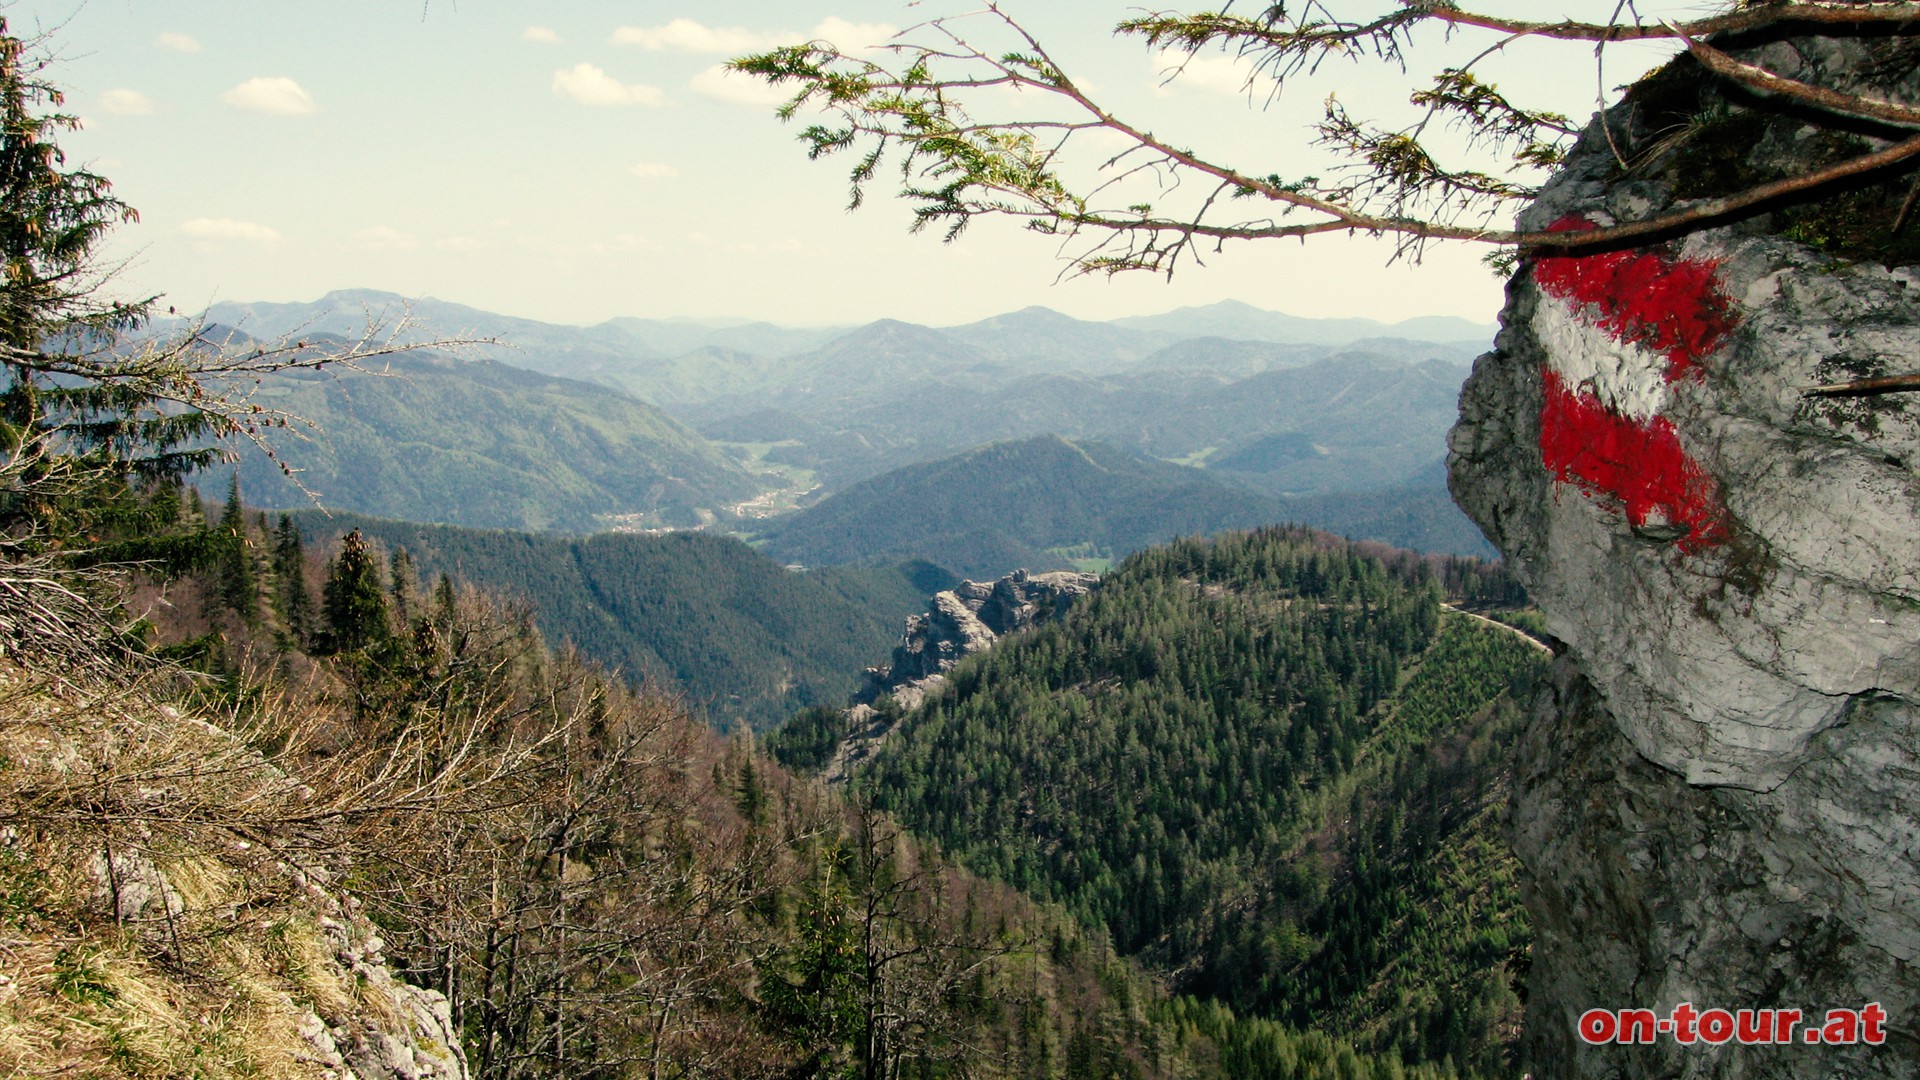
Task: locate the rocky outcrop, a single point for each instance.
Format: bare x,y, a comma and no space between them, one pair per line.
966,620
958,623
1719,799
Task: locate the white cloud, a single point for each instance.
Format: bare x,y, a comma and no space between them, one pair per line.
685,35
228,229
126,103
544,35
589,85
173,42
278,95
853,36
718,82
647,170
386,238
459,244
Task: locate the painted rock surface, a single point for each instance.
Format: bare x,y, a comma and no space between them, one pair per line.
1718,801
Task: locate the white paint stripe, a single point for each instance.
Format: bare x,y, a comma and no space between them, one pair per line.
1629,380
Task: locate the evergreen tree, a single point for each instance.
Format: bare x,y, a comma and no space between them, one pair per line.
354,601
79,414
239,589
403,580
291,598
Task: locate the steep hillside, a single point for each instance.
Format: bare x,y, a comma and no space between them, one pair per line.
1038,503
162,915
596,882
695,614
1269,764
1420,516
480,443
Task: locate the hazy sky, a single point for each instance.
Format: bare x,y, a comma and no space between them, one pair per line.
573,160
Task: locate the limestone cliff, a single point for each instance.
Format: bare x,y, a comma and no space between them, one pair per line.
1718,801
958,623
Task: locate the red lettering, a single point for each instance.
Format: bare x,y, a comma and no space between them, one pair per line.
1598,1026
1683,1018
1636,1026
1784,1021
1843,1026
1872,1017
1716,1026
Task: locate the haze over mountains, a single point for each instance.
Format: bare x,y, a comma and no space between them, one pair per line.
651,423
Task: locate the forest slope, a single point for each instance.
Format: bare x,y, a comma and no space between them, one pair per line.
696,614
475,442
1268,764
598,883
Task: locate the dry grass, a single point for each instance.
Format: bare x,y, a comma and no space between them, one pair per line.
203,949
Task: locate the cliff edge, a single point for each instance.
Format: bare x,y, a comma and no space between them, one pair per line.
1718,799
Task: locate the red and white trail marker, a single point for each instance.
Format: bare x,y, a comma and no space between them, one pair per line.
1619,330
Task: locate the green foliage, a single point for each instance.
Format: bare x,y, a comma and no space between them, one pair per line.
354,600
291,598
24,887
1204,759
1234,1047
239,590
79,977
482,444
810,991
806,742
696,614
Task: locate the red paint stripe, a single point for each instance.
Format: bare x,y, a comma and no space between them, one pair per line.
1671,306
1643,465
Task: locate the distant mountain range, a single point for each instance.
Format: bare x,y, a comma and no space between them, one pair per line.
1234,319
685,423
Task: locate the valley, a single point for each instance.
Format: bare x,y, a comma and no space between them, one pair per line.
779,435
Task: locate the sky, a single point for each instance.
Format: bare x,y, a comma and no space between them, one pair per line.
576,160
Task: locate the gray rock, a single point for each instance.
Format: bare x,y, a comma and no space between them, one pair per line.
959,623
968,619
1717,801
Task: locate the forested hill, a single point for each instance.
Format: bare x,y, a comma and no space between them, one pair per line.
703,615
1270,764
476,442
1039,503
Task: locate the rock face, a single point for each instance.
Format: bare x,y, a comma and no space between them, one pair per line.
958,623
967,620
1719,798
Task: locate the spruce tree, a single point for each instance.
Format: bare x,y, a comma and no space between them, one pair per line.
403,581
238,588
291,598
354,601
73,402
